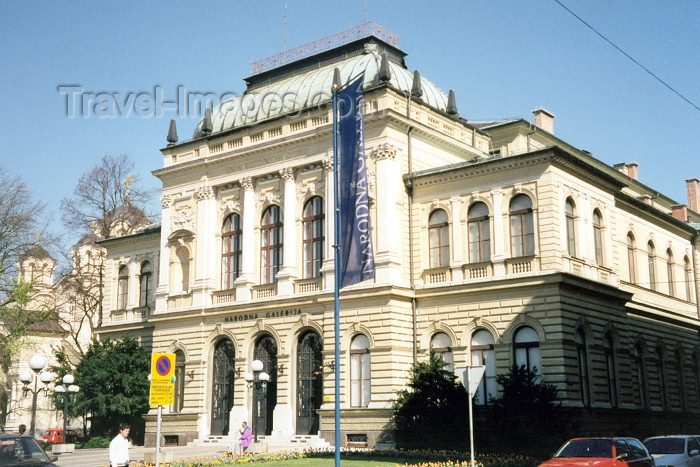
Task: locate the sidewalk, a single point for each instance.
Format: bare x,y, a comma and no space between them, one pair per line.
100,457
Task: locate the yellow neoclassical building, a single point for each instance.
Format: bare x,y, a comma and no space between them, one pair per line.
496,243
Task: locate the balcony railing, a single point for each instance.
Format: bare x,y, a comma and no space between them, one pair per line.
312,284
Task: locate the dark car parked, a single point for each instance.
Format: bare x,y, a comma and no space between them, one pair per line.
601,452
23,450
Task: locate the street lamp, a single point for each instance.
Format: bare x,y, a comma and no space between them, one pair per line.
259,379
65,390
36,363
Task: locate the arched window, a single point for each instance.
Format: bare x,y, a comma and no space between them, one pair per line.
231,247
314,236
522,227
669,273
610,370
122,287
598,237
631,264
570,227
527,349
651,254
270,244
360,383
439,239
479,233
638,356
688,280
580,339
442,345
680,370
179,399
483,354
145,284
660,377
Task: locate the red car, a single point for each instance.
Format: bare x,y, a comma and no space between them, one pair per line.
601,452
55,436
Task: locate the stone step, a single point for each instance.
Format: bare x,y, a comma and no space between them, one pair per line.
274,443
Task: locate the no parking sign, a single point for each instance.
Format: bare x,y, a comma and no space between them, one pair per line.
162,379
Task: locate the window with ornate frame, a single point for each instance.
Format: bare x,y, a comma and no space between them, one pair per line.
439,239
271,237
598,237
570,213
313,221
442,345
179,397
631,263
651,256
145,284
479,228
122,287
670,273
526,344
638,356
231,250
522,227
360,381
482,353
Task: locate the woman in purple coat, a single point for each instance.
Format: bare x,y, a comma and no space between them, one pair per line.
245,438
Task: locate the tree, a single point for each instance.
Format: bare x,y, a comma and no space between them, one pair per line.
114,386
104,202
433,412
526,402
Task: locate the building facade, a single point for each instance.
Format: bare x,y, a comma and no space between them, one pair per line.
496,243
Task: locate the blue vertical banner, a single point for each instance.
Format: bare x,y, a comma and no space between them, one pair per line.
357,253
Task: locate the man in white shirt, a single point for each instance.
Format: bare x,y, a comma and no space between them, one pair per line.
119,448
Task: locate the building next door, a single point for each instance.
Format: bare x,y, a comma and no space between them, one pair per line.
222,387
309,382
265,399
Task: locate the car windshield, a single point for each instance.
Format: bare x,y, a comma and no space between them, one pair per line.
665,445
20,451
586,448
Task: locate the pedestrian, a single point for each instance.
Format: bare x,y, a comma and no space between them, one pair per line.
22,429
119,448
245,438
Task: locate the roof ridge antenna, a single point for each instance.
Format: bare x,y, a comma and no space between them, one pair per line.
367,29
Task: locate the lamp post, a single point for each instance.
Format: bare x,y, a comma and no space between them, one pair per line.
65,390
36,363
257,379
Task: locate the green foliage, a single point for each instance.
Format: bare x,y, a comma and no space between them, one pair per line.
114,386
526,413
433,412
95,442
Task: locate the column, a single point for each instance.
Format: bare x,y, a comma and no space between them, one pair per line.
328,267
457,242
286,276
244,281
164,265
386,226
204,280
499,236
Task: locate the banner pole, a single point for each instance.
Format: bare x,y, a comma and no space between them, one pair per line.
336,264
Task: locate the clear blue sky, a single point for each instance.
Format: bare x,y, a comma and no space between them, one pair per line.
503,58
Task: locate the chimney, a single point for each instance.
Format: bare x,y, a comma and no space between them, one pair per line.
680,212
646,199
693,186
629,169
544,120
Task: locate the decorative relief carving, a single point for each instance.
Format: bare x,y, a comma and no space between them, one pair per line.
371,184
184,218
247,183
166,201
475,196
287,174
229,205
384,151
517,189
312,187
455,199
203,192
267,197
328,162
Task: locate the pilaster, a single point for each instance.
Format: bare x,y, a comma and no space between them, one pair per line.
204,280
162,290
286,276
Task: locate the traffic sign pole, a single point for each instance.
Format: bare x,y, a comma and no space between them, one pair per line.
158,424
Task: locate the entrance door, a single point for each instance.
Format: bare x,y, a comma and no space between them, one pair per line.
265,400
222,387
309,383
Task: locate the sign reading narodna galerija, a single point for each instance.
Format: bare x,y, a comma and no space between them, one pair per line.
267,314
357,254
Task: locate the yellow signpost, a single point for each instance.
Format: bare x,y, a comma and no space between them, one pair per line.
162,379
